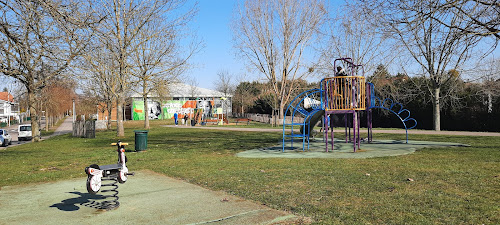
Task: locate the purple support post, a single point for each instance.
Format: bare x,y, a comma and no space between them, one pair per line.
326,131
369,120
369,112
354,123
330,125
359,125
345,120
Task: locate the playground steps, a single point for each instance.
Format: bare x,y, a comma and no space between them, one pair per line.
296,108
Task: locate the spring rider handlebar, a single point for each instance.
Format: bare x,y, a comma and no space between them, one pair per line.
114,172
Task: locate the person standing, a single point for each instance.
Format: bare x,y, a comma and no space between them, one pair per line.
176,117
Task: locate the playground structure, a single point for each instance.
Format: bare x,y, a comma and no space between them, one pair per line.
114,173
345,94
209,111
200,118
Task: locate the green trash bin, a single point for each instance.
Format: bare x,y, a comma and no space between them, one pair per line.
141,140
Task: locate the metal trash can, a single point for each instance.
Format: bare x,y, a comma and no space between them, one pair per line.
141,140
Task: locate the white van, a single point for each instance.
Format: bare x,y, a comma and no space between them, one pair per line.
24,132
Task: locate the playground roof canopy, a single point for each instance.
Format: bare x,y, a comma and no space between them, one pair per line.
185,90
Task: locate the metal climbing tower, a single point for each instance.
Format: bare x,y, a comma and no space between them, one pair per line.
346,93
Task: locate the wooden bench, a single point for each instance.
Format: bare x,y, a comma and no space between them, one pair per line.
211,121
243,120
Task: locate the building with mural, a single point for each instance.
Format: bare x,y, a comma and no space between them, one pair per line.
183,99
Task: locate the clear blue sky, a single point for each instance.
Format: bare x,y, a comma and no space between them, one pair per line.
212,25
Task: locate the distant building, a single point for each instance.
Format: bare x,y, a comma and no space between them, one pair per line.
183,99
6,96
8,108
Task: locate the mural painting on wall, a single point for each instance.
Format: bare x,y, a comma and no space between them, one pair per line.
169,108
207,108
154,110
178,106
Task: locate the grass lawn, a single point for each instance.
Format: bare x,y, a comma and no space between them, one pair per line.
450,185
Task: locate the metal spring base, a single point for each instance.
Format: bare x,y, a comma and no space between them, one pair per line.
112,182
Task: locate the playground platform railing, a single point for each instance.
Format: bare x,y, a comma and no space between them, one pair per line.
344,93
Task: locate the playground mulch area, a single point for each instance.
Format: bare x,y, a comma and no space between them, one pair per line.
147,198
377,148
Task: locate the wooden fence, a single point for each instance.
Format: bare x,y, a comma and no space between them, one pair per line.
85,129
266,118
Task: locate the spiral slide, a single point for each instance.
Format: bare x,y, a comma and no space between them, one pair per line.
305,111
314,119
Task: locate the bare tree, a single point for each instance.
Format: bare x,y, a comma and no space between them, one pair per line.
272,35
352,35
482,17
57,98
436,48
490,76
120,31
193,89
100,78
158,57
39,40
223,82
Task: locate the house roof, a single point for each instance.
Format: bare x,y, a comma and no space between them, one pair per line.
185,90
6,96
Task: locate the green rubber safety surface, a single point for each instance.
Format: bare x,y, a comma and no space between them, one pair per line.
146,198
341,149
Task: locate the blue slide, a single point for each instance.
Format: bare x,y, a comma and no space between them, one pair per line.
313,120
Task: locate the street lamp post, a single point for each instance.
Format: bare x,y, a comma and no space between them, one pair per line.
222,100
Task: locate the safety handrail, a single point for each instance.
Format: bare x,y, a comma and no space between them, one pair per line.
376,102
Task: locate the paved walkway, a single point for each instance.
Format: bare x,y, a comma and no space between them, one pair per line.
65,128
398,131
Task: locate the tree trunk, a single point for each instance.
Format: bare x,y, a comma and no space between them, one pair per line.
35,129
146,112
145,99
490,102
437,109
47,120
282,108
109,106
120,131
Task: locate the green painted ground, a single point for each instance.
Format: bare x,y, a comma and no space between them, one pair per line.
378,148
147,198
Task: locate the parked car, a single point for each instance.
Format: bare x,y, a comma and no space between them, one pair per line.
24,131
5,138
